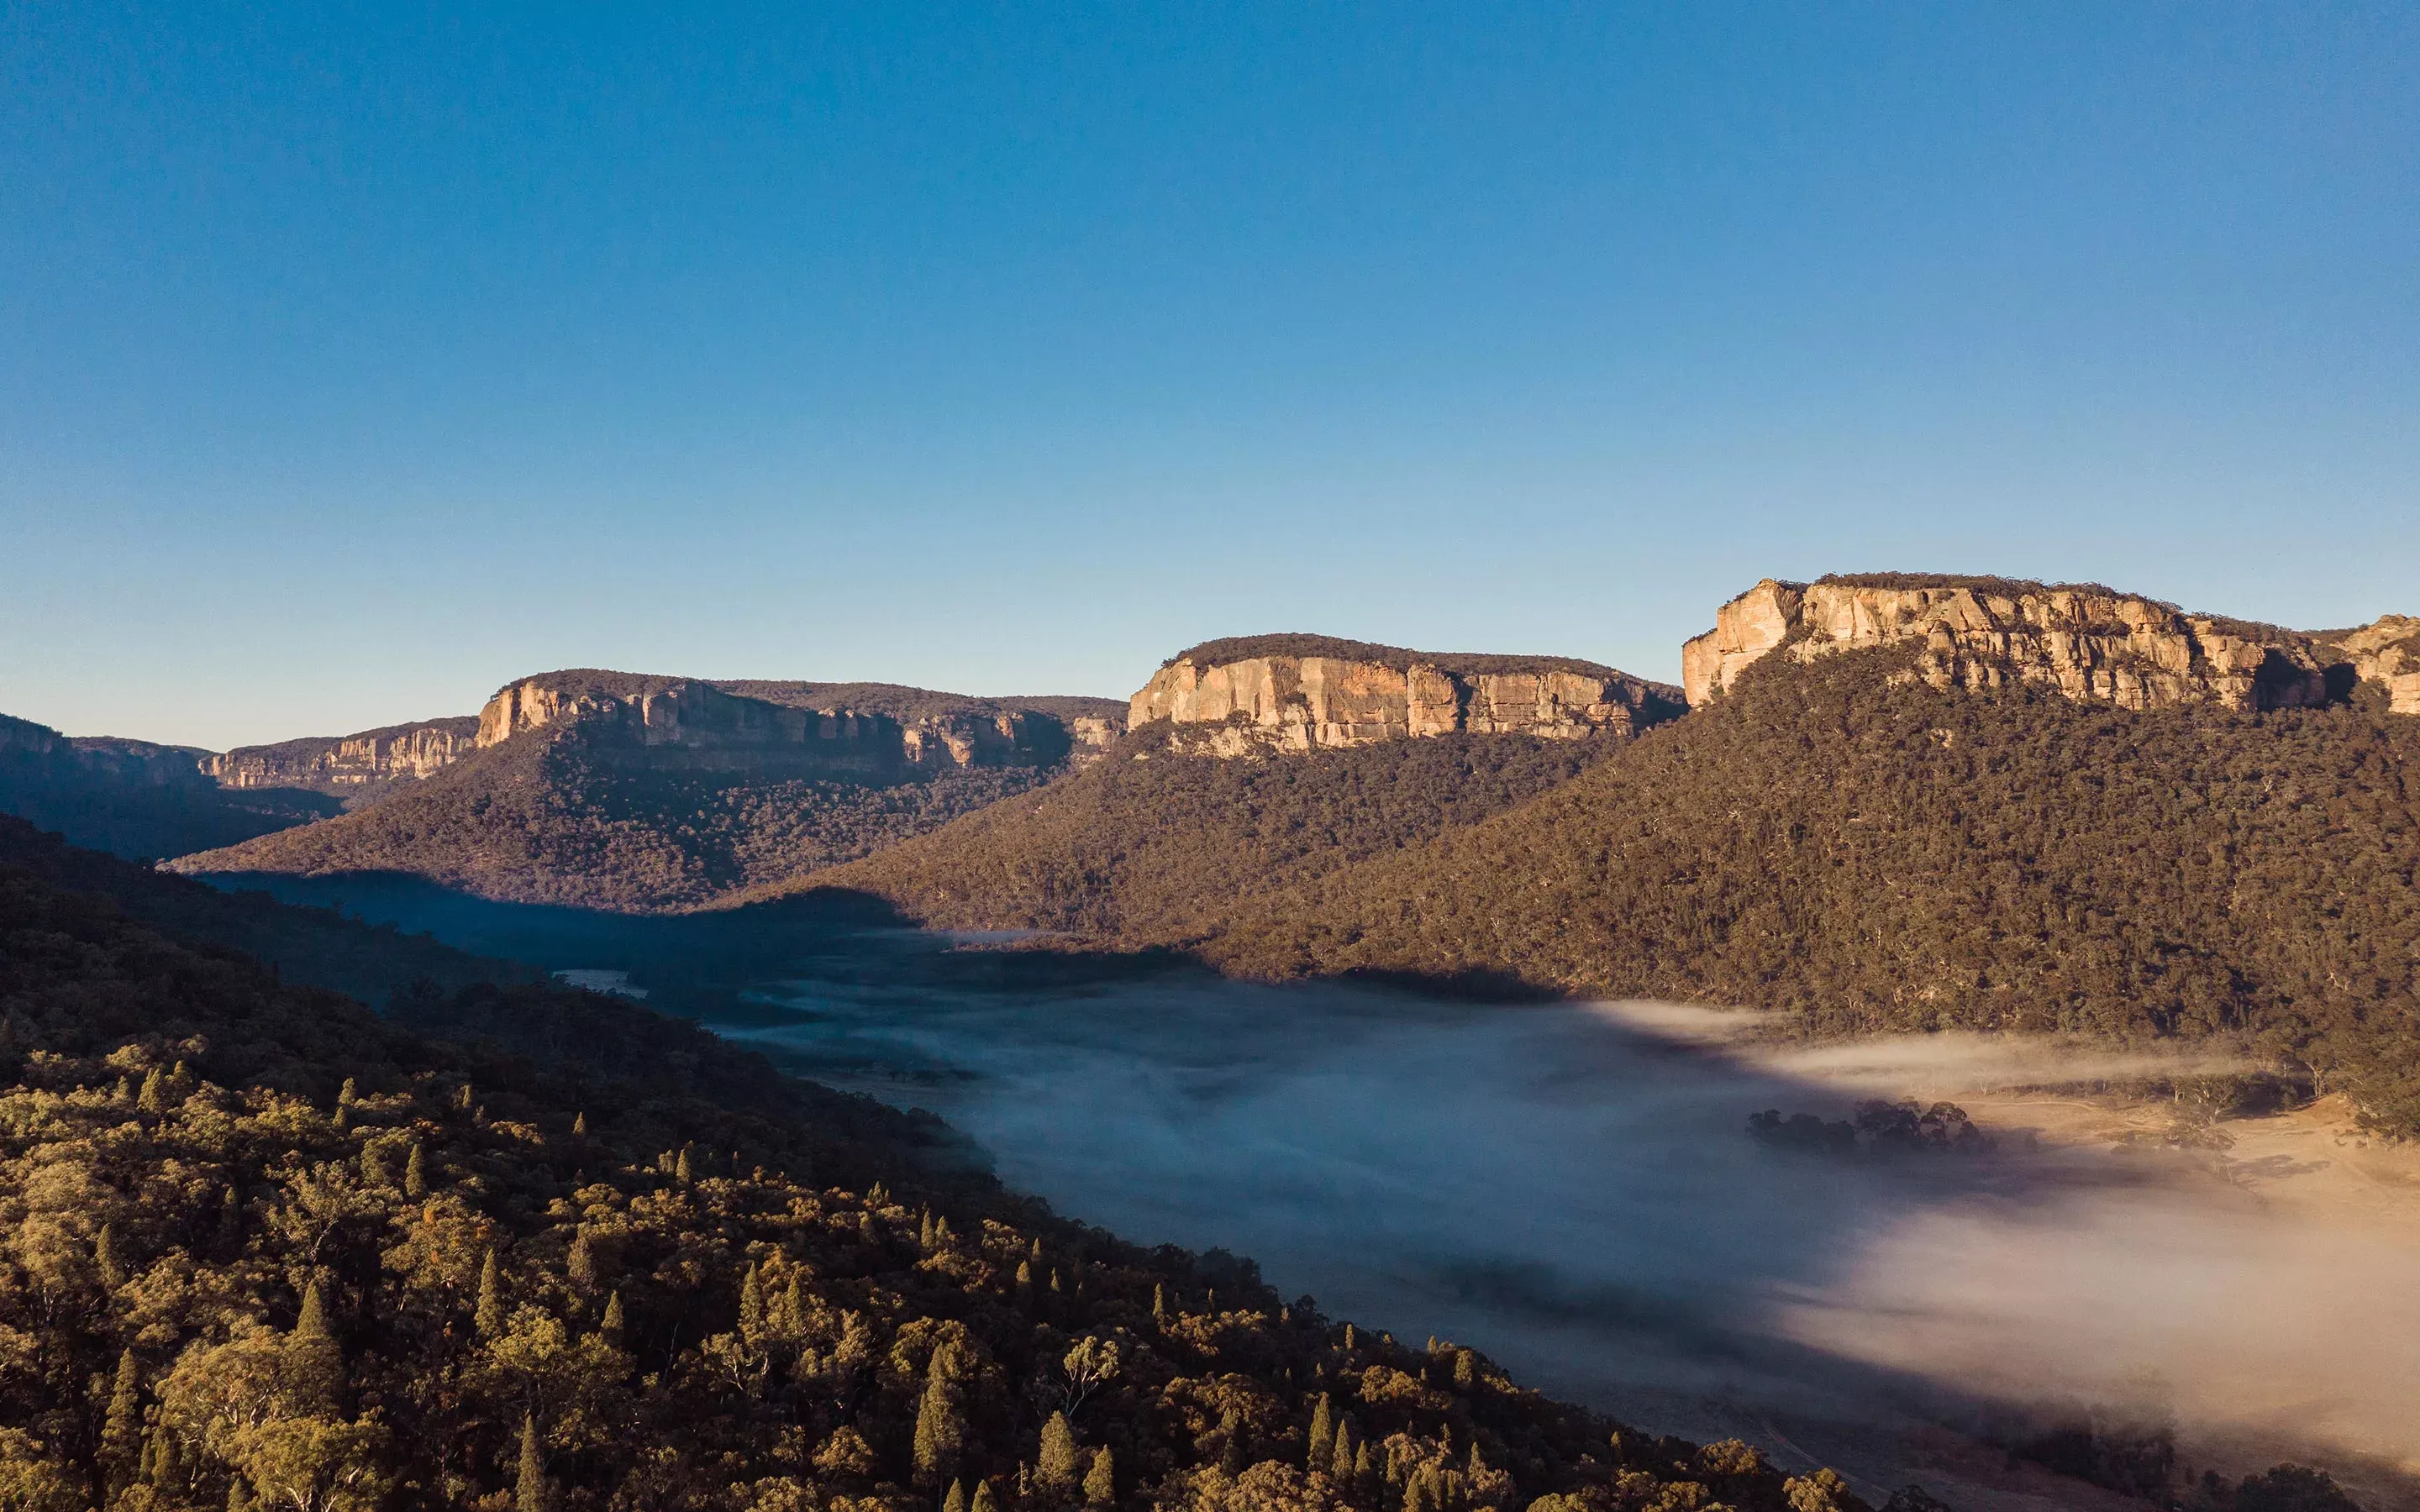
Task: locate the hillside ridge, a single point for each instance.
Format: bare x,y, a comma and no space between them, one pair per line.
1249,696
2084,639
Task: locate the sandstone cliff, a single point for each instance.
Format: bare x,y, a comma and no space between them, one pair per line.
2085,640
354,767
1301,693
2386,651
859,730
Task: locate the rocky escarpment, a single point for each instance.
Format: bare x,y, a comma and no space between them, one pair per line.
623,791
939,730
793,729
1297,693
669,723
2084,640
2385,652
357,768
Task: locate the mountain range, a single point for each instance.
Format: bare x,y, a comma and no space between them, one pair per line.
1878,801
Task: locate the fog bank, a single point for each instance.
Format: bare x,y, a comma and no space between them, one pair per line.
1570,1189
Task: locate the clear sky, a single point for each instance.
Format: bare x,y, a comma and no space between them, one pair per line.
355,359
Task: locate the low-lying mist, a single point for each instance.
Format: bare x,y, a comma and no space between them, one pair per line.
1569,1188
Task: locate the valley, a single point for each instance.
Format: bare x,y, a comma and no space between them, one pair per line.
1443,986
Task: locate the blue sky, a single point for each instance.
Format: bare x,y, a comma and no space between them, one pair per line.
356,359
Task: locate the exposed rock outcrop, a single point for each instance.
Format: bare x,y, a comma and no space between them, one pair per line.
1303,693
790,726
945,730
672,722
2386,651
1093,735
2085,640
353,767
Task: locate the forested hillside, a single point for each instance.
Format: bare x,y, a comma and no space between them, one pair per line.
1151,845
1868,857
1890,858
260,1248
540,819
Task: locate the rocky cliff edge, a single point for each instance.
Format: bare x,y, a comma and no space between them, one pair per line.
1293,694
2082,639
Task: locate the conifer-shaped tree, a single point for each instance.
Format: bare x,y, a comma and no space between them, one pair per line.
1323,1435
580,1264
1231,1458
488,1314
1341,1461
1054,1466
105,1260
1159,1303
611,1324
681,1167
415,1175
154,1096
956,1498
751,1307
121,1428
1101,1481
530,1490
791,1317
311,1321
1365,1472
924,1232
941,1419
985,1501
1465,1369
579,1126
321,1361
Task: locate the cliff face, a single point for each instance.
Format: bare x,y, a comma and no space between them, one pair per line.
1297,703
348,766
2387,652
2085,641
677,723
682,722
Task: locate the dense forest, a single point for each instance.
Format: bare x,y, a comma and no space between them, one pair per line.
540,819
523,1247
1863,856
1152,845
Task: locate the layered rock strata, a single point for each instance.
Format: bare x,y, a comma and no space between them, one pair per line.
348,766
665,722
1298,703
2085,641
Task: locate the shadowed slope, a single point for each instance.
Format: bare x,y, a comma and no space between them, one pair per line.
1150,846
538,820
